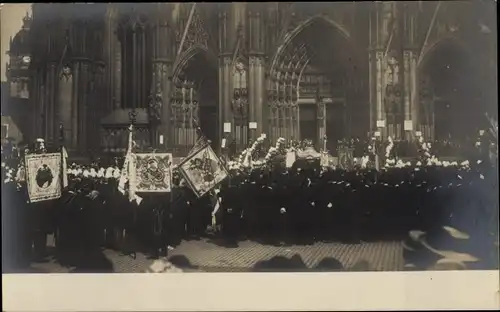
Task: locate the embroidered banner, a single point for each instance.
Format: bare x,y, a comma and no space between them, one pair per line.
154,172
43,174
203,170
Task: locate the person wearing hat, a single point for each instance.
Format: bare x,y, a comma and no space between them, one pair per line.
178,210
231,205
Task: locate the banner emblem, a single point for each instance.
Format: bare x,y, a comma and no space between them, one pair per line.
43,173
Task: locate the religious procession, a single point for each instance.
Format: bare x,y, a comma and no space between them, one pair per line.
289,195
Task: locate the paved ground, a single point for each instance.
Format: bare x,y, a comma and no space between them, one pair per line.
208,256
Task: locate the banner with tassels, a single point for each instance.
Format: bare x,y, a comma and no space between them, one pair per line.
203,169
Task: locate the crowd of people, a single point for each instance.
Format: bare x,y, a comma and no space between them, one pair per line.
273,204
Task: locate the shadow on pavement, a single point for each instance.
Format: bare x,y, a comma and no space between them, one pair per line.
296,264
182,262
88,261
224,242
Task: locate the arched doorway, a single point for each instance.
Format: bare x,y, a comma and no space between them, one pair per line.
194,101
313,77
450,88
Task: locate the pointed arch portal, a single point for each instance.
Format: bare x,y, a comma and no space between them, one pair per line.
194,100
451,106
312,78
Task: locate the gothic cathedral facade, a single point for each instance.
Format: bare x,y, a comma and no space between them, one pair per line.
292,70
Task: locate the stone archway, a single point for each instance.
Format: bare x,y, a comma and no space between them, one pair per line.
450,92
312,77
194,100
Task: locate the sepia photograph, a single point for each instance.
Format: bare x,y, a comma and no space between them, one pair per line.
273,137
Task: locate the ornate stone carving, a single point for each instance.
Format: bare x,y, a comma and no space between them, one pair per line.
226,61
66,72
196,35
155,105
393,87
163,68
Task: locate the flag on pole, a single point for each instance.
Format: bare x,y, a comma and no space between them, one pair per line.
216,202
203,170
124,175
128,172
200,143
64,156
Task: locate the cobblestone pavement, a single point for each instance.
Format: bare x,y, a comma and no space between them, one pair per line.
206,255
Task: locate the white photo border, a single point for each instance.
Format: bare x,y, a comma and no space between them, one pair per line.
252,291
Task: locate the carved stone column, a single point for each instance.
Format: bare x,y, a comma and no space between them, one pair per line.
72,139
51,112
410,58
81,37
226,87
162,70
98,110
65,102
407,93
415,114
112,52
82,102
256,91
257,64
379,69
226,41
381,19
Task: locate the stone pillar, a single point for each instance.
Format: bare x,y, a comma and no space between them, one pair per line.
256,65
407,92
410,58
162,70
379,69
256,92
260,94
321,115
99,110
64,101
74,106
82,93
415,100
225,88
226,42
112,50
52,113
252,86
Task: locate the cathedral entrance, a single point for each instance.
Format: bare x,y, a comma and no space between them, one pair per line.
451,106
313,78
194,102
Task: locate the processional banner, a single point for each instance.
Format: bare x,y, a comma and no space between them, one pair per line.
203,170
43,175
154,172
